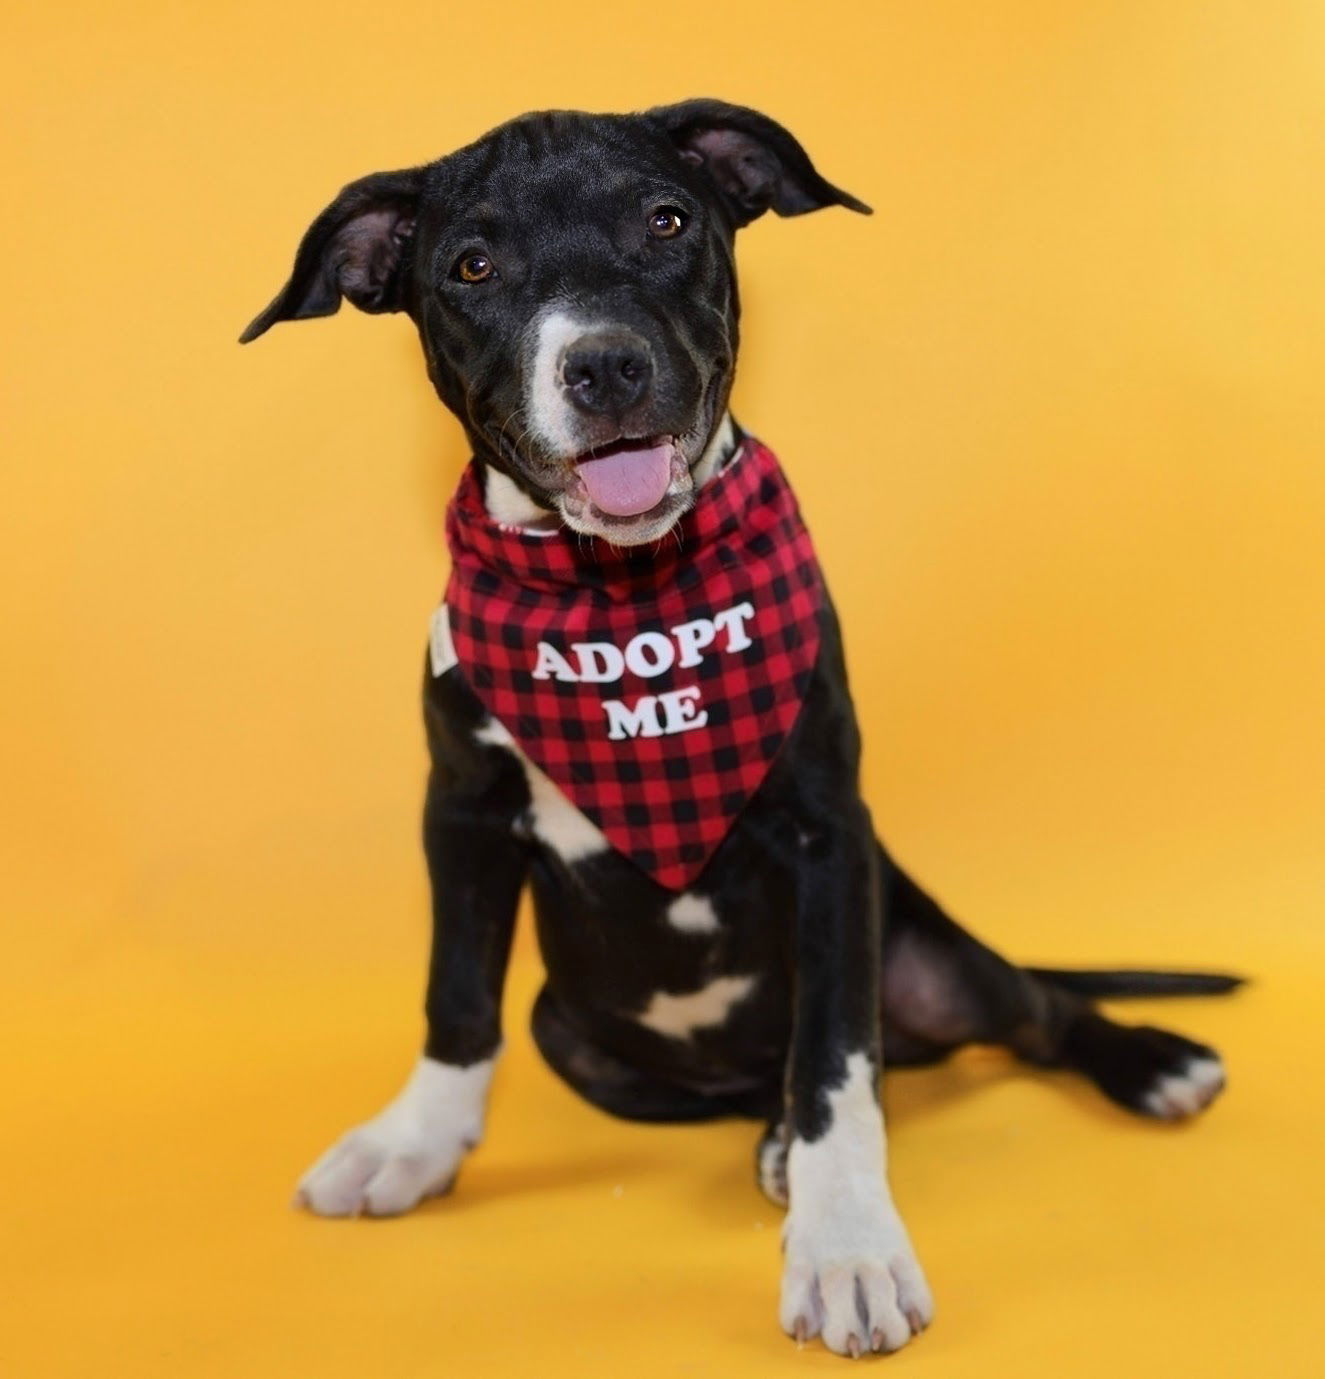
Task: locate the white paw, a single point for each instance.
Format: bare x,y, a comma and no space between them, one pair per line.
855,1281
410,1151
850,1274
1178,1095
377,1171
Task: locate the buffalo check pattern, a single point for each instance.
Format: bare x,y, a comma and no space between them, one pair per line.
699,737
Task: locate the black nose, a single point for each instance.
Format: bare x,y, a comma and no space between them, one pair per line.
607,373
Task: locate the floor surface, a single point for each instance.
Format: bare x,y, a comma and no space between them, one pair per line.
168,1096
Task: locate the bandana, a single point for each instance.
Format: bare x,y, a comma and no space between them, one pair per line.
654,685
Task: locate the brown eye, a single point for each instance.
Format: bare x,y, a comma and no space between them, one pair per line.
666,222
474,268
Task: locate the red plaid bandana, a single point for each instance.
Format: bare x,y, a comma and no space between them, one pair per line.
654,686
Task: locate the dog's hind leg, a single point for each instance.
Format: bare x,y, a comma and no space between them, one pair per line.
943,989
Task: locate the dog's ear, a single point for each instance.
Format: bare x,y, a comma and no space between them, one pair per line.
755,163
358,248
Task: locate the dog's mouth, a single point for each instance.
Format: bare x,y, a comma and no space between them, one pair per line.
628,478
628,491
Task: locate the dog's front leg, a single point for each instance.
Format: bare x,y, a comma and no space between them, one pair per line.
413,1148
850,1272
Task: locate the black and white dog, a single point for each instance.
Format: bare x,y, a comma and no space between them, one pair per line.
572,280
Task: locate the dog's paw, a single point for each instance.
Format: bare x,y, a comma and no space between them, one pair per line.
1155,1072
378,1170
411,1151
1188,1087
771,1165
854,1280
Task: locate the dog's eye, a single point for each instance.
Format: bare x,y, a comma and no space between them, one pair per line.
474,268
666,222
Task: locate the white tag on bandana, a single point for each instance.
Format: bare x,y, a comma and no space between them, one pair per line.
440,650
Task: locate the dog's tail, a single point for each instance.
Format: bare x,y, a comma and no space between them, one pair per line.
1129,982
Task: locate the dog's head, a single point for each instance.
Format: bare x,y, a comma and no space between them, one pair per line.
572,280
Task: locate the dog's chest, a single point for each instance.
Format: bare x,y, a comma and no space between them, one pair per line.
685,964
550,819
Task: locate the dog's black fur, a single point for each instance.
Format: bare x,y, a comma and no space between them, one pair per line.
851,955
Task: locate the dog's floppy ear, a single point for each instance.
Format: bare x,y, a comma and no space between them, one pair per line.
756,164
357,248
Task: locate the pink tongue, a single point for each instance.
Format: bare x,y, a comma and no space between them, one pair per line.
630,480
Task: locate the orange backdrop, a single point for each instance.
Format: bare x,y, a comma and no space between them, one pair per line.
1055,417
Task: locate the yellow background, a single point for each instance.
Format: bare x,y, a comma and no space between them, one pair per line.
1055,417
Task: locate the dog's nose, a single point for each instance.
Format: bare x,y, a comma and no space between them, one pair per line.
607,373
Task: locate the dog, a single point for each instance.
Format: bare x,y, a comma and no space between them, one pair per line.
722,932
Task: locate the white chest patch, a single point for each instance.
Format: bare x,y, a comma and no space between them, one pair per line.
441,650
554,820
692,914
679,1015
